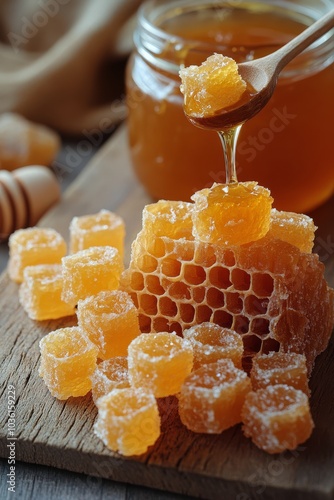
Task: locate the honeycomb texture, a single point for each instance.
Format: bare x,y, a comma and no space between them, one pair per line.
268,291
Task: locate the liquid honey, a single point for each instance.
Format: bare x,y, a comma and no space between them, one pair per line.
286,147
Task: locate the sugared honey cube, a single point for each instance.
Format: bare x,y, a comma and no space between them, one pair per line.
33,246
277,418
110,320
102,229
212,397
128,421
159,362
211,87
168,218
280,368
40,292
108,375
232,214
68,359
212,342
297,229
90,271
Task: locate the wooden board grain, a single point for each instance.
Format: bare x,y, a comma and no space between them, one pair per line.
59,434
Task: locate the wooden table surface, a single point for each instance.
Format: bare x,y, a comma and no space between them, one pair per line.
228,466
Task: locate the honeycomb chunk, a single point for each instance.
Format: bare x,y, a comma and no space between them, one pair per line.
280,368
212,397
277,418
40,292
297,229
68,359
90,271
110,320
168,218
232,214
108,375
212,342
33,246
128,420
102,229
159,363
211,87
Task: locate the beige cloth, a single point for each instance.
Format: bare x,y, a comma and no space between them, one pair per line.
60,60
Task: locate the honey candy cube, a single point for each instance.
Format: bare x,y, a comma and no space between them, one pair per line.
211,87
297,229
168,218
212,342
231,214
102,229
277,418
110,320
212,397
33,246
40,292
128,421
108,375
90,271
68,359
159,362
280,368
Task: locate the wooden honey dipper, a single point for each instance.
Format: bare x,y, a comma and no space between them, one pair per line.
25,195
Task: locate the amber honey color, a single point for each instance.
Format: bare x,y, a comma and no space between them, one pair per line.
286,147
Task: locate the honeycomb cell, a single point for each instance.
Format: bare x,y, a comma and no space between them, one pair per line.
147,264
252,344
203,313
184,250
153,285
241,324
179,291
149,304
159,362
215,298
240,279
212,342
228,258
270,344
176,328
220,277
144,323
212,397
260,326
198,293
187,312
262,284
222,318
194,275
137,281
156,247
205,256
234,303
161,324
255,306
170,267
167,307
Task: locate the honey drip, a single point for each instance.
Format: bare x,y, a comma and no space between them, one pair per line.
229,139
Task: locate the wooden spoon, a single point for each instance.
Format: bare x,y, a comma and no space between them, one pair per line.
262,74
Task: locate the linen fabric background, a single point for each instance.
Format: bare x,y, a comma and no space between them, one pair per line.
61,61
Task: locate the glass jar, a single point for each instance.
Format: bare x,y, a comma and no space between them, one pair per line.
287,147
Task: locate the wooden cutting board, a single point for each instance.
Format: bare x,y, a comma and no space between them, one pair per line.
59,434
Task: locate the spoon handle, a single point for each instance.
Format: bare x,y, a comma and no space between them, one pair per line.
285,54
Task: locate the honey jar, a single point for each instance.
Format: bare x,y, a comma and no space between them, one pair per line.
287,147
